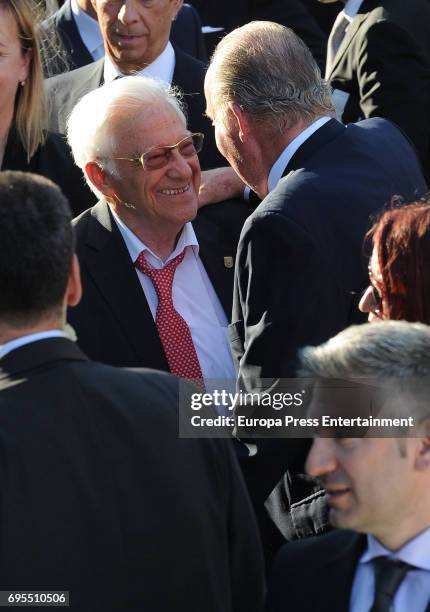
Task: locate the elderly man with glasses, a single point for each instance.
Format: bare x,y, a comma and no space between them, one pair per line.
157,289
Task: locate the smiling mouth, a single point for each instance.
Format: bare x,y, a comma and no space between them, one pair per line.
174,192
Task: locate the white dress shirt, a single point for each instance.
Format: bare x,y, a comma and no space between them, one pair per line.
281,163
194,298
7,347
351,8
413,594
162,68
89,31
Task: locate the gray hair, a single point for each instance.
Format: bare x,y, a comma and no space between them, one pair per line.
393,355
89,128
271,74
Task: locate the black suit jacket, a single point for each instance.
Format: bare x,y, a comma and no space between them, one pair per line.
291,13
113,322
327,562
53,160
383,64
101,498
300,272
186,33
65,90
316,574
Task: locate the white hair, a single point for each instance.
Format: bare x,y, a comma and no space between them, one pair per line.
88,129
270,73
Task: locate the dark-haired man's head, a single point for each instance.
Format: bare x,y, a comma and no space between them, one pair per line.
39,273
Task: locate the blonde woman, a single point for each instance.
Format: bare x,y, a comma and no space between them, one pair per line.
25,143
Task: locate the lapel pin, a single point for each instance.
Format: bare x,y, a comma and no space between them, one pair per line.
228,261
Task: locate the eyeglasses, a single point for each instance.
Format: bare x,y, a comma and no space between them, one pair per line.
158,157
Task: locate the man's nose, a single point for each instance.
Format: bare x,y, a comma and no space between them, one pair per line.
321,459
179,164
367,302
128,13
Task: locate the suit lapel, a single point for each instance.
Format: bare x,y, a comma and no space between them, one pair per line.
339,570
218,259
71,38
351,32
109,264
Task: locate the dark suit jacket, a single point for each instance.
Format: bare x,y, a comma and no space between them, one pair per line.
100,497
324,14
291,13
384,64
327,562
316,574
65,90
300,268
54,160
113,322
186,33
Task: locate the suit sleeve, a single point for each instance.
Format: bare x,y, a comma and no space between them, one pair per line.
281,303
394,81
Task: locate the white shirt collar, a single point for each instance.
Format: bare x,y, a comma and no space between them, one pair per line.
135,246
416,551
351,8
89,31
281,163
7,347
162,68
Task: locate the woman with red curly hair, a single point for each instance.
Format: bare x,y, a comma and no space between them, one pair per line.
399,268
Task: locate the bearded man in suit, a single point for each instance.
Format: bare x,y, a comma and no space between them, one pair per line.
377,478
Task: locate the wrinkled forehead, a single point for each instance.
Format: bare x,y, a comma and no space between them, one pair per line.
140,128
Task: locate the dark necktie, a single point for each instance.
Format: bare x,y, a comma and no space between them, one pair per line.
389,573
173,330
335,39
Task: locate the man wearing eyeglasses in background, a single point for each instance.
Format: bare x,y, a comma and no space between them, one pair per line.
156,289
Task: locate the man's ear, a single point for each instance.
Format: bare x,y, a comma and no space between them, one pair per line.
74,285
241,119
99,179
176,5
422,461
